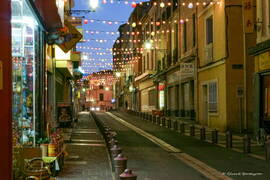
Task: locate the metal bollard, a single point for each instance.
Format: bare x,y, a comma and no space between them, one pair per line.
215,136
246,144
228,139
182,128
158,120
150,117
128,175
154,119
115,150
175,125
113,142
202,133
169,125
267,148
147,117
192,130
163,121
120,164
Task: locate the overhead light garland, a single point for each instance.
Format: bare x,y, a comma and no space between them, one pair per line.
133,23
162,4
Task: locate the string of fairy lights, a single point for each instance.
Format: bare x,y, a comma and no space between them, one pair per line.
92,63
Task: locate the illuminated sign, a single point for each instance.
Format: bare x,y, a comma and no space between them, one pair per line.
61,55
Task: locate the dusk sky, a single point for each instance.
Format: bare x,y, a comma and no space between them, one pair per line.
114,12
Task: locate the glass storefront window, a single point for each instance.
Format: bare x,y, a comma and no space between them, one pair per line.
24,30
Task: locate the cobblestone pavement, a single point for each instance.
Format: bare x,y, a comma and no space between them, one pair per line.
87,157
149,161
234,164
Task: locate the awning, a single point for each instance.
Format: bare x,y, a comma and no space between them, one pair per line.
49,13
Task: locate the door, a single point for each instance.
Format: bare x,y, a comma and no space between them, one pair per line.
205,105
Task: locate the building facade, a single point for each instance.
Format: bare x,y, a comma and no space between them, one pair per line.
196,66
262,68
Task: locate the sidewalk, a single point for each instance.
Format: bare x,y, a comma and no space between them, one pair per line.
87,157
257,150
233,164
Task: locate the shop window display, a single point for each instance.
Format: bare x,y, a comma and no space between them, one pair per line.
24,45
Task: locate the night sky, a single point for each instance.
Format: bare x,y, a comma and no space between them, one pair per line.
113,12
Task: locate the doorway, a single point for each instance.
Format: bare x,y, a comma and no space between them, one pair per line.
205,105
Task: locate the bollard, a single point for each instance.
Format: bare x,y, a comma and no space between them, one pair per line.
246,144
150,117
215,136
146,116
113,142
267,148
128,175
120,164
158,120
169,125
228,139
202,133
110,135
154,119
163,121
175,125
192,130
182,128
115,150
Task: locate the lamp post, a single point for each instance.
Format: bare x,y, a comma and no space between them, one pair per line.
93,4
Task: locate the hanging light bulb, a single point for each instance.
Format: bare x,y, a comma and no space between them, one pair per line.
162,5
190,5
133,4
133,25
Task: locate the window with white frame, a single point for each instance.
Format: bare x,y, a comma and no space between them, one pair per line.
212,98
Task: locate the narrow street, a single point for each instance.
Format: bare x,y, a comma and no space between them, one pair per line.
87,157
150,161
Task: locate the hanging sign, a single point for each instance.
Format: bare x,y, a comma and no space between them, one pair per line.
1,75
248,16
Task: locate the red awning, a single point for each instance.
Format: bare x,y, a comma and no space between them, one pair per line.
49,13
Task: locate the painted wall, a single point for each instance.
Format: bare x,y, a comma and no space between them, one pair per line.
6,91
219,119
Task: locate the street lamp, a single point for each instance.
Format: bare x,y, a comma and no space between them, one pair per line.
93,4
148,45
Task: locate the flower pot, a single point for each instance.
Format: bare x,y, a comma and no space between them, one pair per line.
52,150
44,149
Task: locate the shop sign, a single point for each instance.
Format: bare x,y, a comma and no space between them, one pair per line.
1,75
186,70
75,21
248,16
74,37
174,77
264,61
161,86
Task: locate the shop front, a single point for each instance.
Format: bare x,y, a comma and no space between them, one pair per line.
148,95
262,91
27,58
